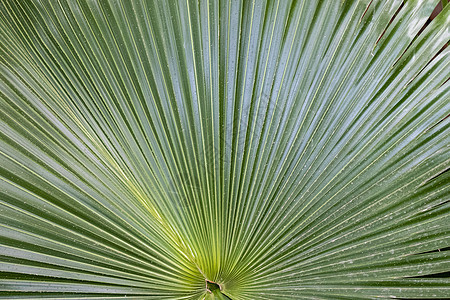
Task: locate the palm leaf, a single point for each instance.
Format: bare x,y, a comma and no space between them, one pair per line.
224,149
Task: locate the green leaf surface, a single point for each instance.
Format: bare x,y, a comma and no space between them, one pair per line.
273,149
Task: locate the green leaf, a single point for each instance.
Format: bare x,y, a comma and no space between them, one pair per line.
224,149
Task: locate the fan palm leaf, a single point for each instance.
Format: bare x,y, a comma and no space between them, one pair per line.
224,149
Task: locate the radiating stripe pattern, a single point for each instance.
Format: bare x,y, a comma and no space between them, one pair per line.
281,149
